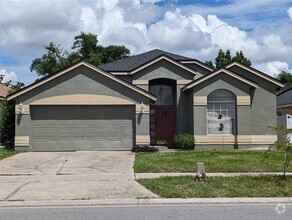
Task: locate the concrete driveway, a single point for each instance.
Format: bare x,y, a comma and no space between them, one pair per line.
36,176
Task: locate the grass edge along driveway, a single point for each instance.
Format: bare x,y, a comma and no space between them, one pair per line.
215,161
6,153
220,187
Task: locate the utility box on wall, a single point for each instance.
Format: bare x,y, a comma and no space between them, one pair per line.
285,120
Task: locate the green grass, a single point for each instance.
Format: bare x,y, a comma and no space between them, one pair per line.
5,153
217,187
215,161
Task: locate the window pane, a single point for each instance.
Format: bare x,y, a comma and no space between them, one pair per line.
221,109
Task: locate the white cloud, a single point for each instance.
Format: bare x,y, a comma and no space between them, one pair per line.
141,25
8,75
273,68
289,11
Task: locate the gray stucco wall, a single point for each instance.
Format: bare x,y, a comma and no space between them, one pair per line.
200,70
81,80
251,120
263,108
163,69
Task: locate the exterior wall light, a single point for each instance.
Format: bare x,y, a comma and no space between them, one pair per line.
20,106
142,107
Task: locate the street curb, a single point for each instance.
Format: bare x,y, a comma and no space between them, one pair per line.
145,202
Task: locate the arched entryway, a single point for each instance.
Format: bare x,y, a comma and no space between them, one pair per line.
162,112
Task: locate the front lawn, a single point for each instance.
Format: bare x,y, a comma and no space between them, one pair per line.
216,187
5,153
215,161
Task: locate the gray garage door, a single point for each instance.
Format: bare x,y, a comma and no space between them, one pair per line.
67,128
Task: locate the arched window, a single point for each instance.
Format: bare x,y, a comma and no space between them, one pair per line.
221,112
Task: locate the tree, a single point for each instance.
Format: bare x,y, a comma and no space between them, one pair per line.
85,47
239,57
285,78
210,63
7,119
224,58
284,145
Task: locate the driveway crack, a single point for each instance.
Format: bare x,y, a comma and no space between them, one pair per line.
61,168
16,190
37,166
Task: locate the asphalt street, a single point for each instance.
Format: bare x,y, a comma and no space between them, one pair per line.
206,212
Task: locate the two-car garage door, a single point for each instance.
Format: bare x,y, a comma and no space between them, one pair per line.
67,128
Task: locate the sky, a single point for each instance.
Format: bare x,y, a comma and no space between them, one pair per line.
262,29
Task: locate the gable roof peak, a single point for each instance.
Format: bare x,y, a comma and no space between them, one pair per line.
130,63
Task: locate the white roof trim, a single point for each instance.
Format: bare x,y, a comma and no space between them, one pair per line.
73,67
202,79
198,63
255,72
164,58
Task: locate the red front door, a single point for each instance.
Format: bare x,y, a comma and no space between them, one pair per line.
164,125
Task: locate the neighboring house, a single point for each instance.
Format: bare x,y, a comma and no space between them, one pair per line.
284,101
146,99
3,93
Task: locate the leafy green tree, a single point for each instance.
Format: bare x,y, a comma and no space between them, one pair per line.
85,47
210,63
239,57
285,78
284,145
224,58
7,118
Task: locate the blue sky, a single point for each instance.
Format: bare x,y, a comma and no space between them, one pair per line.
262,29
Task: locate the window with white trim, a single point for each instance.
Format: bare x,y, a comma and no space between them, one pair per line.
221,112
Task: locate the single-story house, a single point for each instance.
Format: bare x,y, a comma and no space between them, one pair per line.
146,99
284,101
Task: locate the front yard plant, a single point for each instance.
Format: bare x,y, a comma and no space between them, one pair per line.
184,141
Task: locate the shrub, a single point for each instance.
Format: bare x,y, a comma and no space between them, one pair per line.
184,141
144,148
7,124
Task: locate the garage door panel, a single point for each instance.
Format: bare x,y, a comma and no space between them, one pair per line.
63,133
52,133
82,127
77,133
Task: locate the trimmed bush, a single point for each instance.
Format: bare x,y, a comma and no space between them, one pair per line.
184,141
144,148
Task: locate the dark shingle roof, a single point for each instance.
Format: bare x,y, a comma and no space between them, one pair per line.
130,63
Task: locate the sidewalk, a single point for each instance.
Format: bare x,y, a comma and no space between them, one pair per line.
145,202
157,175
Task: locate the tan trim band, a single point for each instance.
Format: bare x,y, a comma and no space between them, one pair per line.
198,63
120,73
200,100
284,106
134,88
142,139
25,110
202,79
82,99
167,59
21,141
243,100
140,82
235,139
254,72
183,82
